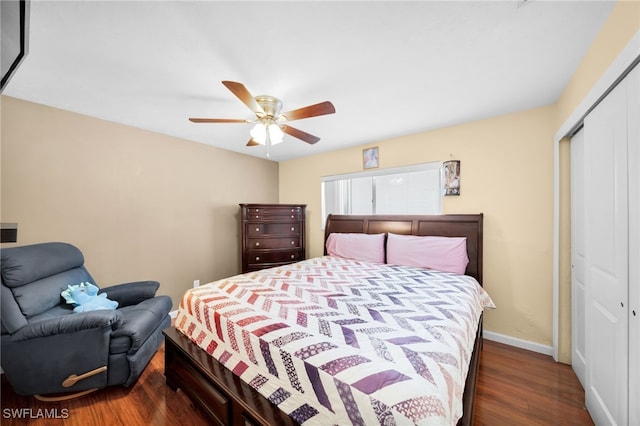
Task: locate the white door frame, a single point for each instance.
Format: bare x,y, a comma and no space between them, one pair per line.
578,258
625,60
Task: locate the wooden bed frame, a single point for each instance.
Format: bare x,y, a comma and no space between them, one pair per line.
226,400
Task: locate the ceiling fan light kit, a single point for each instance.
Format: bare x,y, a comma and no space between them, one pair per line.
263,132
269,128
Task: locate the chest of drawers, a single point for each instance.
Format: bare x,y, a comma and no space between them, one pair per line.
272,235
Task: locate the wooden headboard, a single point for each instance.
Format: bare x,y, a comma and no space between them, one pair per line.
450,225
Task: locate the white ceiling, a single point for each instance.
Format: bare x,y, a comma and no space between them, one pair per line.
390,68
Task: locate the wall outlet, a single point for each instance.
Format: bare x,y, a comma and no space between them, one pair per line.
196,283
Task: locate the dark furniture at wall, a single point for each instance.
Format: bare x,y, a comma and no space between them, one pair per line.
227,400
272,235
49,349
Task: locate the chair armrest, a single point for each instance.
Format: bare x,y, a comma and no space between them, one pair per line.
131,293
141,320
68,324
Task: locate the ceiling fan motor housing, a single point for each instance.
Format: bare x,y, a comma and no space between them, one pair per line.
270,105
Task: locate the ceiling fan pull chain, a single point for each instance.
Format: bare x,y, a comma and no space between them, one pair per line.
268,143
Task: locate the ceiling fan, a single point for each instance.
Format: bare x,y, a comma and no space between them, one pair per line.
270,127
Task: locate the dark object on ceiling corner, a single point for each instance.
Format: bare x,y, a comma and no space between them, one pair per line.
15,32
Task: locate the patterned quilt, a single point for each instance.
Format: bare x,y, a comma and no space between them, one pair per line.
337,341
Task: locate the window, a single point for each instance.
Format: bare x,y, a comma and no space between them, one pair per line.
403,190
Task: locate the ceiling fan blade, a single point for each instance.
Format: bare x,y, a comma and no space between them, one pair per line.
219,120
315,110
243,94
296,133
252,142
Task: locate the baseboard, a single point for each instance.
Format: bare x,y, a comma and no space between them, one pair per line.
518,343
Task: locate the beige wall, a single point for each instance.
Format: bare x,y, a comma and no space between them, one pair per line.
617,31
139,205
506,173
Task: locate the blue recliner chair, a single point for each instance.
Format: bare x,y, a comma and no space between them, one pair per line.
49,349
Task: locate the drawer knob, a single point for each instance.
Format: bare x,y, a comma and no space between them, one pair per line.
257,229
293,242
293,229
257,244
257,257
293,256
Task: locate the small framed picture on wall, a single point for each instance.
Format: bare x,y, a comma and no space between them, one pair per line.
370,158
451,177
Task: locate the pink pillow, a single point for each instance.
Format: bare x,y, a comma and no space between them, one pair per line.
367,247
447,254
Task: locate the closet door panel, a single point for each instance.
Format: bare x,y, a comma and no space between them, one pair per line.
607,259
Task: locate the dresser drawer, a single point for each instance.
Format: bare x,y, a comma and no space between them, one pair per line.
267,228
274,214
287,256
273,243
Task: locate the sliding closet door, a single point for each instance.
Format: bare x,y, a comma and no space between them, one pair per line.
578,318
606,264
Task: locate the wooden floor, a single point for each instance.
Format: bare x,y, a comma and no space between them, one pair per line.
515,387
518,387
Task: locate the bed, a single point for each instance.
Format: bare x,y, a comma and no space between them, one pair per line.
333,340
